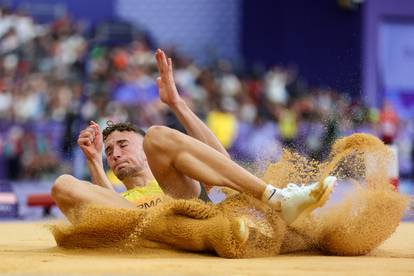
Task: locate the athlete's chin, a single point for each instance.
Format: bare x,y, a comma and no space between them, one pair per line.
124,172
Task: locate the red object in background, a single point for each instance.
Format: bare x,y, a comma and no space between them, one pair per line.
120,60
255,88
41,200
44,200
394,182
389,123
23,67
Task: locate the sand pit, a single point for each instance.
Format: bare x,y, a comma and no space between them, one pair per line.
29,249
355,226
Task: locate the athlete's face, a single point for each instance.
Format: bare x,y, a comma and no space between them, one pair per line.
125,154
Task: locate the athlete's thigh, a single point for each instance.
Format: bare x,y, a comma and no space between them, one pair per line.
173,182
76,192
105,197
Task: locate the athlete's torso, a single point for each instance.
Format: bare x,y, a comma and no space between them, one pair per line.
145,197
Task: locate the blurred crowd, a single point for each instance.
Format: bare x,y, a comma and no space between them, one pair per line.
56,77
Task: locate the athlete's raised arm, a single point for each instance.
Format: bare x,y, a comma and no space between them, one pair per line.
169,95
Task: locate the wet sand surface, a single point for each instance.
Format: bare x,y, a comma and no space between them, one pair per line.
28,248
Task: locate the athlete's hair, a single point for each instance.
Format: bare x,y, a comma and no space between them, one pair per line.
127,126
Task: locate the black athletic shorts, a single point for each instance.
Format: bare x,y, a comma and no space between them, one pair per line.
203,194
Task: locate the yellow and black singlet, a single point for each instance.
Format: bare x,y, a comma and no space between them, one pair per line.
145,197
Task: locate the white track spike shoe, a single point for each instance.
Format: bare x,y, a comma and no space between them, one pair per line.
301,200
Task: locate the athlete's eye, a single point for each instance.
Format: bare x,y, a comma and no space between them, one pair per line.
123,145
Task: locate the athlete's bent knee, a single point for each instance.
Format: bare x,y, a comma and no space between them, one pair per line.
61,187
159,139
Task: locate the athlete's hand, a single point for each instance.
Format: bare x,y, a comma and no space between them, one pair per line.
166,85
90,142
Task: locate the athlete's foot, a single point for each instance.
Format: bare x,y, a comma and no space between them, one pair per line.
296,201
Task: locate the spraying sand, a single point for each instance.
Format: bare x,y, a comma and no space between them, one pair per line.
355,226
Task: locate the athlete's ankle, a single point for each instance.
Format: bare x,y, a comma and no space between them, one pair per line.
272,195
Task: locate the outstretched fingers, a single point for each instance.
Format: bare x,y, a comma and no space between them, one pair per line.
158,58
162,62
170,64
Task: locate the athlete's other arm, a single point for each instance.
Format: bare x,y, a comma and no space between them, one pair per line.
91,144
169,95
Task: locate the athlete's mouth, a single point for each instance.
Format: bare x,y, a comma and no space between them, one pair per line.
120,165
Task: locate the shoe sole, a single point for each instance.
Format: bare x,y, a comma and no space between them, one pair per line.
322,200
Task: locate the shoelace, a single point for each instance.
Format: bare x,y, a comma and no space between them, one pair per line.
294,188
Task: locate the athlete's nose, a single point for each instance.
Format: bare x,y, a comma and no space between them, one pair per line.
116,153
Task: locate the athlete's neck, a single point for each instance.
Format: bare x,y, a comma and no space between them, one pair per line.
141,179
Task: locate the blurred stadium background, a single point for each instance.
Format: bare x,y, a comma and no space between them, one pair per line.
262,74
